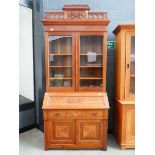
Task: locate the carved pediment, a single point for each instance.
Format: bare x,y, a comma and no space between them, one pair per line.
76,11
76,15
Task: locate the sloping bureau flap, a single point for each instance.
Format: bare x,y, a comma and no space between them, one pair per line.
75,101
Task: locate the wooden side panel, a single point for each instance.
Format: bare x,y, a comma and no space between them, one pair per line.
105,134
89,132
46,145
120,65
118,122
125,124
130,125
104,61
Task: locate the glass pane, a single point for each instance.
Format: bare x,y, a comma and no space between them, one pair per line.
60,61
132,66
91,83
60,44
61,83
91,61
91,72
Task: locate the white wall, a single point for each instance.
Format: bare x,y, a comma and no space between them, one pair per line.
26,82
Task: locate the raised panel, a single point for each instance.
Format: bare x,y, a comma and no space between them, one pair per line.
89,131
125,124
61,131
130,126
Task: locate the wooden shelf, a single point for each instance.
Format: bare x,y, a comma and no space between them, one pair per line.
60,66
64,78
61,54
90,66
90,78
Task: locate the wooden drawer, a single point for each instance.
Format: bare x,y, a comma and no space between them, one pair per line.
63,114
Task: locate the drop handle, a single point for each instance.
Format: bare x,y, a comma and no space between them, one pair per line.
57,114
94,114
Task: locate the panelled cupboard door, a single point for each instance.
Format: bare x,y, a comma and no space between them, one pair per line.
60,61
130,125
91,58
89,132
130,66
61,131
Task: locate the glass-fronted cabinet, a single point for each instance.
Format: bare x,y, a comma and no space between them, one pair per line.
76,52
125,62
124,129
76,61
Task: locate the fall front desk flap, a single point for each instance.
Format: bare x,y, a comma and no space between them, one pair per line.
94,100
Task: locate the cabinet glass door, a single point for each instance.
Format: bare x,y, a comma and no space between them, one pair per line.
91,62
60,61
130,66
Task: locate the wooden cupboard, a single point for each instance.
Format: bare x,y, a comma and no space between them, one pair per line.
125,86
75,104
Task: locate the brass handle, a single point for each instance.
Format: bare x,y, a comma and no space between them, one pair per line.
57,114
94,114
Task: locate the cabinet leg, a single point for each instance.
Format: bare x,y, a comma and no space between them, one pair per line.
46,148
104,148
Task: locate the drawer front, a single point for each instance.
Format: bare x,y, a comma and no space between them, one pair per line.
71,114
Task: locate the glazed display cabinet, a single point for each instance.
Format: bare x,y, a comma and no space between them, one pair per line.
125,86
75,61
75,104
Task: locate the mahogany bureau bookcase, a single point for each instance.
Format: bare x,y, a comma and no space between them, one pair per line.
125,86
75,105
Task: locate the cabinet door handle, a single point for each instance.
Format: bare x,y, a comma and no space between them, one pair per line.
128,65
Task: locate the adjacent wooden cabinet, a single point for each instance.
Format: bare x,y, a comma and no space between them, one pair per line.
75,104
125,86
